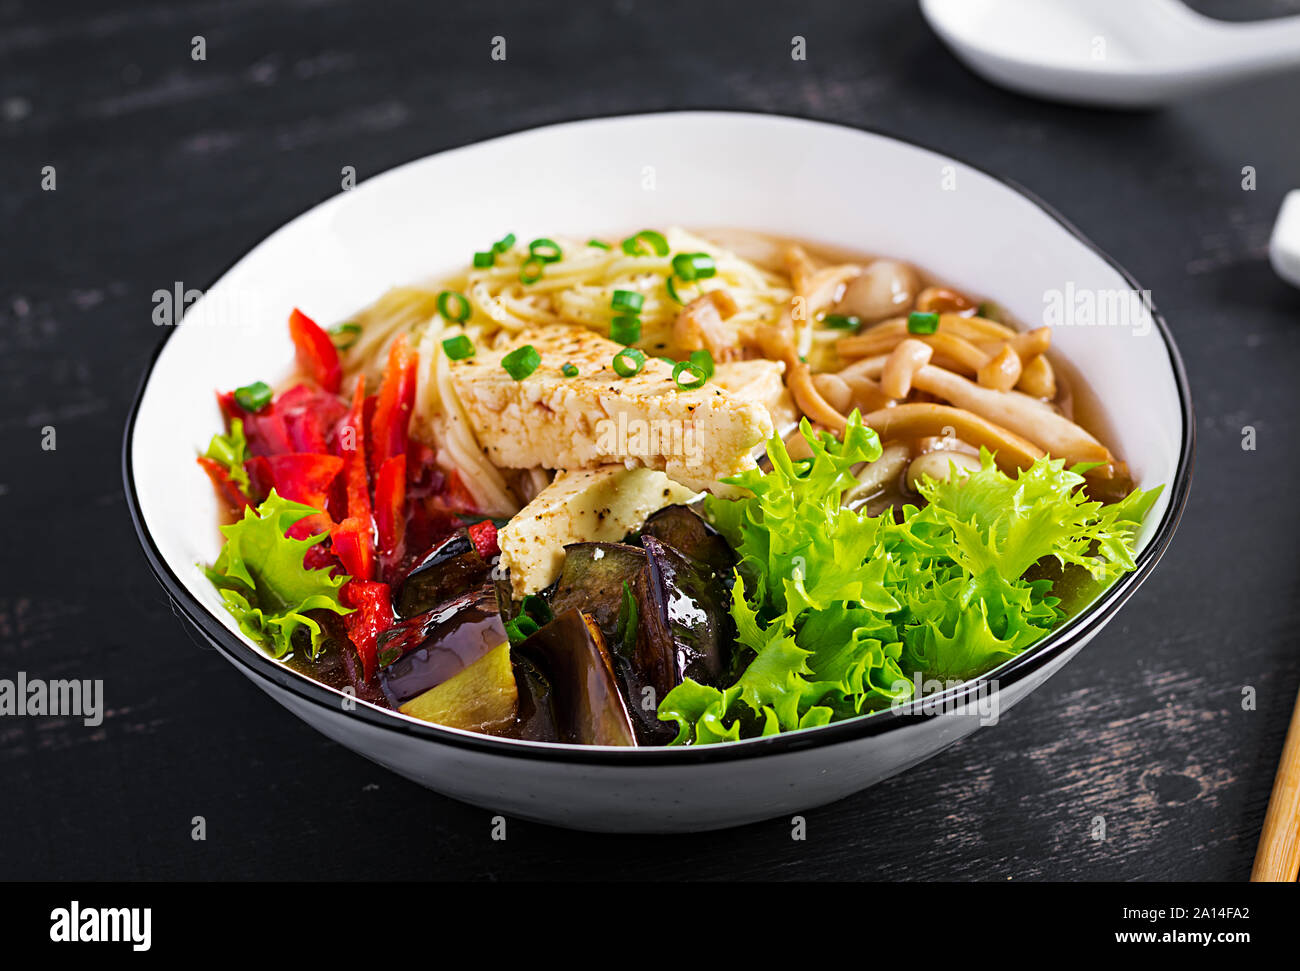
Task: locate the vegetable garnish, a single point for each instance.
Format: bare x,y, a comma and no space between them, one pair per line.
454,306
505,244
922,323
694,266
261,578
458,348
648,242
534,614
598,244
521,362
689,375
231,451
843,322
530,271
625,329
253,397
628,300
485,259
703,360
315,351
546,250
569,370
673,292
344,335
838,612
628,361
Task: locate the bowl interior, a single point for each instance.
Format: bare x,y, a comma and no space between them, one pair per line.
819,182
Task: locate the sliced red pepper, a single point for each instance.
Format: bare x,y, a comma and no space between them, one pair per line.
309,417
390,506
391,422
318,358
353,542
227,491
371,616
351,444
304,477
266,431
484,537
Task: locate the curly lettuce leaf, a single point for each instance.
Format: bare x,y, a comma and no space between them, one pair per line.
839,613
263,582
231,452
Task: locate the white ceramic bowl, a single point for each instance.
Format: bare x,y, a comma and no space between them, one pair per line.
821,182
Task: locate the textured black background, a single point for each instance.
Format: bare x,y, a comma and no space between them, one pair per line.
169,169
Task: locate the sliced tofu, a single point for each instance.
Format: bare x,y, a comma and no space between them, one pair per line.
593,505
596,418
760,381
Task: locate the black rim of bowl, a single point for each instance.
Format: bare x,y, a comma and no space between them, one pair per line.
1076,631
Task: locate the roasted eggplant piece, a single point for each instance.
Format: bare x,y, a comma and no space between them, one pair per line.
448,570
424,651
480,698
535,721
592,581
589,710
691,536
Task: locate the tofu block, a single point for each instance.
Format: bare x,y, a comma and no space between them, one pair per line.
592,505
597,417
760,381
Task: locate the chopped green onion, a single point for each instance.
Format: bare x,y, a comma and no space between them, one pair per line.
843,322
668,360
253,397
625,329
689,375
672,292
919,323
531,270
458,348
703,360
519,628
453,306
485,259
694,266
598,244
627,300
628,361
546,250
569,370
505,244
521,362
658,246
536,608
345,334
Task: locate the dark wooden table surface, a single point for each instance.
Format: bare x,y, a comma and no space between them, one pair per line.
168,169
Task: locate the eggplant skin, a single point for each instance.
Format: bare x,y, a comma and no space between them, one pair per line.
690,535
424,651
588,706
685,630
448,570
592,581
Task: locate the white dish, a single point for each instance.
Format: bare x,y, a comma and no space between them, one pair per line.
825,183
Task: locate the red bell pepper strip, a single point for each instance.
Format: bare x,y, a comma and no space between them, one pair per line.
309,417
371,616
227,490
266,431
484,537
307,479
392,418
354,544
318,358
352,448
390,506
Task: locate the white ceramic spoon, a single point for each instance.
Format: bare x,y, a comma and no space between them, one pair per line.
1123,53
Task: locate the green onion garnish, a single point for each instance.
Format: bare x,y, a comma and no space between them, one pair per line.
458,348
546,250
453,306
628,361
843,322
694,266
530,271
519,628
598,244
703,360
485,259
627,300
521,362
919,323
569,370
345,334
625,329
672,292
689,375
537,608
504,244
253,397
646,243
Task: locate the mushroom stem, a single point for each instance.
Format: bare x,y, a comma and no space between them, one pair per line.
922,419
